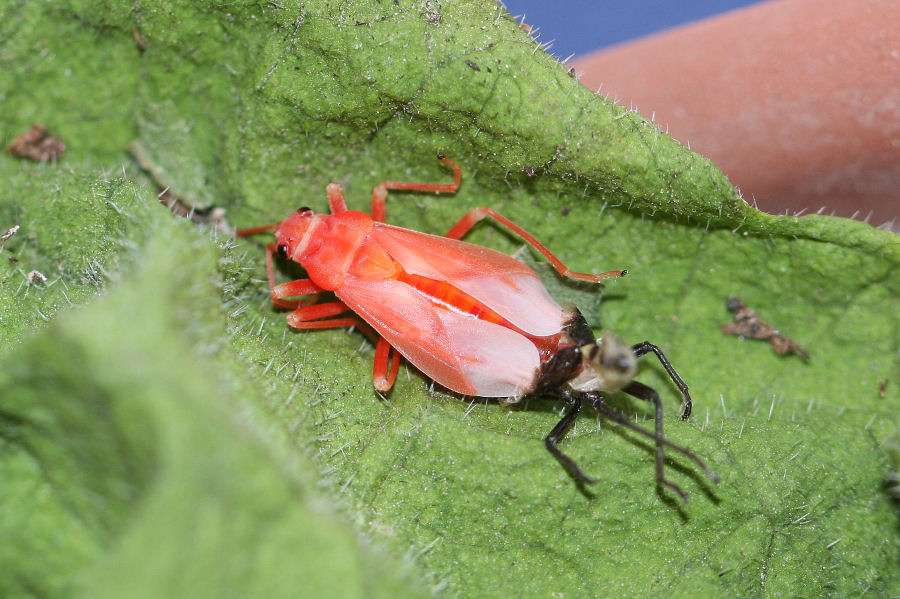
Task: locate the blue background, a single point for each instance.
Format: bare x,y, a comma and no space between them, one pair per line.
581,26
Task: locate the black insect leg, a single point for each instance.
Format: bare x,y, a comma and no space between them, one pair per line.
642,348
646,393
559,431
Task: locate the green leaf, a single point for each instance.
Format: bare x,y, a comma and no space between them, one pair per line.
159,438
130,463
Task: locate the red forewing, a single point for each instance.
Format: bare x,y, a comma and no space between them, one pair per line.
458,351
500,282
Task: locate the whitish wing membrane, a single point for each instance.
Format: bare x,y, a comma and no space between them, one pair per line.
460,352
500,282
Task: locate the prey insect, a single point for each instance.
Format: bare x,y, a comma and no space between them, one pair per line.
474,320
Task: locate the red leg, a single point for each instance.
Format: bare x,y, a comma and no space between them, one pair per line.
473,217
293,289
336,202
381,378
305,310
290,289
379,197
379,194
307,317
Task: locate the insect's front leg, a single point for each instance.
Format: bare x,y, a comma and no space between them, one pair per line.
640,349
379,201
278,293
294,289
308,317
336,201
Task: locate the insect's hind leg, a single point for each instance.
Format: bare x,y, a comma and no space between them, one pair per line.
476,215
640,349
559,431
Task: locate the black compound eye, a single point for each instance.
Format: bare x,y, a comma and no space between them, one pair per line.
281,251
304,209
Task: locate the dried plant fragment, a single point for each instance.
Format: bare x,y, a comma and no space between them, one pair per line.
35,277
38,145
532,31
747,323
139,39
214,216
8,233
172,199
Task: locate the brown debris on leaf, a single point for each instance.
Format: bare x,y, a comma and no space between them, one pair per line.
747,323
139,39
8,233
169,197
38,145
214,217
36,277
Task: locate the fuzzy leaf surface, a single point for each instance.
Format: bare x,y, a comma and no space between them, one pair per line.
212,408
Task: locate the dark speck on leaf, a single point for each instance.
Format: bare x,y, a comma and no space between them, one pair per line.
529,170
139,39
474,66
432,13
565,211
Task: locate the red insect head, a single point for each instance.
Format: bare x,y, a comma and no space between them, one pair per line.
293,231
324,245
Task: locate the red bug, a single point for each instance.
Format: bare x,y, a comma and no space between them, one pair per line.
474,320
